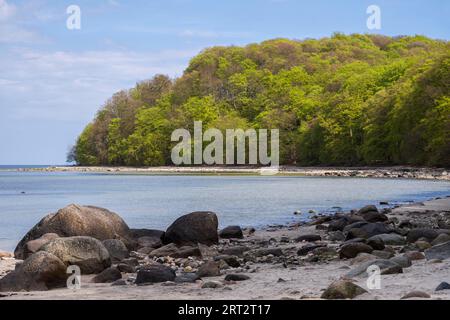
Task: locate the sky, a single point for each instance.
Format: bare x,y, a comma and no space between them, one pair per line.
54,79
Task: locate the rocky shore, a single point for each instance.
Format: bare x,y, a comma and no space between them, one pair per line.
363,172
329,257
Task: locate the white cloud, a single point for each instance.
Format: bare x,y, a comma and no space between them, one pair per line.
6,10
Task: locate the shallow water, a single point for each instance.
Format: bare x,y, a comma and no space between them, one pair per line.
154,201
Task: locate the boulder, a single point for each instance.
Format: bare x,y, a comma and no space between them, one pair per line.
154,273
309,238
422,245
212,285
126,268
172,250
368,230
376,243
440,251
108,275
374,216
187,278
232,261
429,234
339,223
363,257
415,255
351,250
231,232
236,277
236,251
382,254
303,251
165,251
33,246
366,209
116,249
342,289
443,286
193,228
75,220
40,271
403,261
390,239
441,238
186,252
209,269
86,252
386,267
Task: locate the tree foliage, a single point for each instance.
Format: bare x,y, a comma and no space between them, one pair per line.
344,100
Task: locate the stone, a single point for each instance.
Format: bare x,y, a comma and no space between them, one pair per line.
336,236
441,238
440,251
277,252
120,282
416,294
366,209
363,257
126,268
108,275
39,272
351,250
212,285
390,239
422,245
152,242
236,251
33,246
75,220
376,243
209,269
154,273
386,267
232,261
116,249
341,222
342,289
236,277
165,251
443,286
303,251
187,278
309,238
231,232
415,255
382,254
86,252
403,261
368,230
193,228
139,233
430,234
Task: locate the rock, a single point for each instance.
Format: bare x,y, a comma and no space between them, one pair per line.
429,234
309,238
187,278
325,253
231,232
442,238
232,261
416,294
355,240
236,251
86,252
366,209
193,228
403,261
277,252
165,251
107,276
351,250
139,233
368,230
382,254
443,286
212,285
390,239
415,255
75,220
236,277
336,236
120,282
342,289
131,261
126,268
374,216
33,246
209,269
40,271
376,243
117,249
151,242
303,251
340,223
386,267
186,252
363,257
154,273
355,225
422,245
440,251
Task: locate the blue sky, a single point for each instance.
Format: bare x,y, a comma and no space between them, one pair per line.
53,80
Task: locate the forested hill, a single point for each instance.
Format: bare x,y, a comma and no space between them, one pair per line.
344,100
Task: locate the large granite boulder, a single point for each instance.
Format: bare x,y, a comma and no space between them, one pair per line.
75,220
86,252
39,272
193,228
440,251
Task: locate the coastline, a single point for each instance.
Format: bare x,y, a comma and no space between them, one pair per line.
405,172
287,276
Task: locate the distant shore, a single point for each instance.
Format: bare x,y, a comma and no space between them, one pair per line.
364,172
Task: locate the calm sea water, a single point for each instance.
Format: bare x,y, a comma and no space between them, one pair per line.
154,201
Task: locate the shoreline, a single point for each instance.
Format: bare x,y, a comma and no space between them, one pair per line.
405,172
287,276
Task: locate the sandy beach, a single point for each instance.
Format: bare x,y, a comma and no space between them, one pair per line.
289,276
